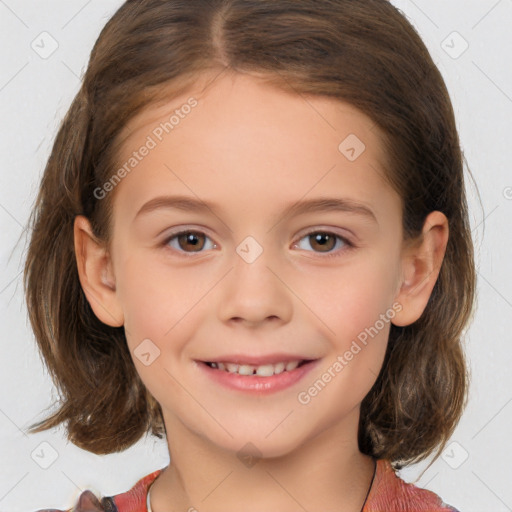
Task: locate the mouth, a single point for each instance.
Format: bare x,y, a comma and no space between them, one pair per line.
263,370
257,375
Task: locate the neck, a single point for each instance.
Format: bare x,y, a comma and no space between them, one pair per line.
328,472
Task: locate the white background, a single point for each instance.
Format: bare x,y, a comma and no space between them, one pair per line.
35,93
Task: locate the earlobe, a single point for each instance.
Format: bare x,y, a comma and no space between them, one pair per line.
421,263
96,274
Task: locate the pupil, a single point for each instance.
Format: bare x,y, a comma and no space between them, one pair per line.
190,239
323,240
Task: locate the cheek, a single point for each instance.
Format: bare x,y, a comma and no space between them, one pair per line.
152,299
352,297
163,304
157,311
358,312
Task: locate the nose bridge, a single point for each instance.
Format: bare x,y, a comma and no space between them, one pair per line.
255,291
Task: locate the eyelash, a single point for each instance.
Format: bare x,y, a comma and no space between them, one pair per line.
332,254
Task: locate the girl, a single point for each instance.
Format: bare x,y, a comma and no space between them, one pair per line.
252,238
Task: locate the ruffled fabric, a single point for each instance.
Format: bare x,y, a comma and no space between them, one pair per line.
133,500
388,493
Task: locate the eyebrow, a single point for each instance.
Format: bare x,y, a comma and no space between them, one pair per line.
320,204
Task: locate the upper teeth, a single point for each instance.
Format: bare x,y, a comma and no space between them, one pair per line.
265,370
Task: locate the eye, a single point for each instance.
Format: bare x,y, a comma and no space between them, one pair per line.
188,239
192,241
326,242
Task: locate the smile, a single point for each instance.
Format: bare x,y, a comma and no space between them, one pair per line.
257,379
264,370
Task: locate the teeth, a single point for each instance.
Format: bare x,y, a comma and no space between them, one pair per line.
279,368
245,369
265,370
292,365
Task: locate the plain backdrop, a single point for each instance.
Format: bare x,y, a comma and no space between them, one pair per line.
470,41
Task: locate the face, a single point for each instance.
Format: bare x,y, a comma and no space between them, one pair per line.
240,277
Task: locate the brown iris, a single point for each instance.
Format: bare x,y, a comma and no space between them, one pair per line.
191,238
325,241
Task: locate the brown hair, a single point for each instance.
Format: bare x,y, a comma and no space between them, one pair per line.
363,52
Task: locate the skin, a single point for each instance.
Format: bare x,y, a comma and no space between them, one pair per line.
252,150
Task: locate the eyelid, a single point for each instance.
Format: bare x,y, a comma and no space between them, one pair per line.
349,244
327,229
184,230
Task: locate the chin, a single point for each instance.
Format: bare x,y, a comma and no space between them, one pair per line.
255,445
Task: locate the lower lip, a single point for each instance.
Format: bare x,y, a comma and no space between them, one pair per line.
255,383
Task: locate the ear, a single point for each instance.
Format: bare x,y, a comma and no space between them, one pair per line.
421,263
96,274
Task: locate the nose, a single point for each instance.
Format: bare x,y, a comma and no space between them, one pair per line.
255,292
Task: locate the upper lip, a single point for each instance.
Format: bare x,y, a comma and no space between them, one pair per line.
258,360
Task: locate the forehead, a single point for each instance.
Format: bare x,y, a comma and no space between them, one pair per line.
247,99
239,137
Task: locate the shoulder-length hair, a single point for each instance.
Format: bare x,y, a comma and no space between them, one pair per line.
362,52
